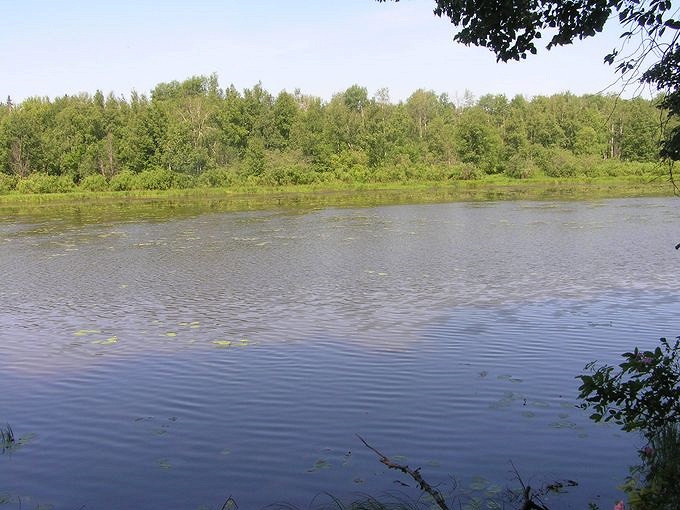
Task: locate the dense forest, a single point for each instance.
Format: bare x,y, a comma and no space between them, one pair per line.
194,133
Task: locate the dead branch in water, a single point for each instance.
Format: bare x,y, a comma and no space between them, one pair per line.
528,502
413,473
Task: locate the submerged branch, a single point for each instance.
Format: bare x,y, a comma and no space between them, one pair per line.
413,473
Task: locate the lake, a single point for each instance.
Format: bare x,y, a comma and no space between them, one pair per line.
170,359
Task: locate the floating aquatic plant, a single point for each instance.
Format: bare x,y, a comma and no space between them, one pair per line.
85,332
109,341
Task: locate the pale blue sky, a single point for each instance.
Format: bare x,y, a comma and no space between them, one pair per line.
51,48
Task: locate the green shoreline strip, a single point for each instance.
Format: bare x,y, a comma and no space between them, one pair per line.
484,189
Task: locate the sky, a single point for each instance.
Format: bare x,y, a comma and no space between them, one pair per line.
51,48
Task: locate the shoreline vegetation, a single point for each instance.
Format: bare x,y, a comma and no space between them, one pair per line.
194,139
257,196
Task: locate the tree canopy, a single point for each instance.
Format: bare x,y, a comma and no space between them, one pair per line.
196,133
649,51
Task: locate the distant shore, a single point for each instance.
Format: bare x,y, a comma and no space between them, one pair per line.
490,188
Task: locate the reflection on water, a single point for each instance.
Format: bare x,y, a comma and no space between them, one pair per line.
198,355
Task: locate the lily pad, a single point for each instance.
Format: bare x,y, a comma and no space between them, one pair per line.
563,424
84,332
171,334
109,341
222,343
318,465
479,483
164,464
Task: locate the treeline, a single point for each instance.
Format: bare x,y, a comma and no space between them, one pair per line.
194,133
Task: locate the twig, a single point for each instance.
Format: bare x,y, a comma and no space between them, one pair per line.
528,502
413,473
230,504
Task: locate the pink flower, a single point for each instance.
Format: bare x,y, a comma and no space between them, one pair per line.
619,506
645,360
648,451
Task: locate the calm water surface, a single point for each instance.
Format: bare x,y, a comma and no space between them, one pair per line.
171,362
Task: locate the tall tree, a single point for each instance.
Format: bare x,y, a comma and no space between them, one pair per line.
512,28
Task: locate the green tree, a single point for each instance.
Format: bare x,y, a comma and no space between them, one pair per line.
512,30
478,141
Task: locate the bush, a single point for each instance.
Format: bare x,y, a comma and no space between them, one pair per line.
388,174
156,179
287,168
217,178
182,180
44,183
643,393
616,168
281,176
7,183
521,166
122,181
653,485
94,182
161,179
436,173
350,166
466,172
557,162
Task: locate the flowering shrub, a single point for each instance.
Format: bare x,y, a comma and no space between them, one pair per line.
642,394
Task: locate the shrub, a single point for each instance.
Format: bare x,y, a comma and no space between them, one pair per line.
653,485
182,180
521,166
388,174
155,179
287,168
44,183
467,172
435,173
7,183
643,393
558,162
161,179
217,178
281,176
122,181
94,182
350,166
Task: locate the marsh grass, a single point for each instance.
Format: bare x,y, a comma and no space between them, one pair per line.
7,439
